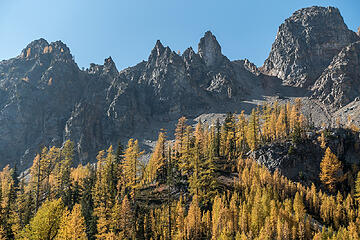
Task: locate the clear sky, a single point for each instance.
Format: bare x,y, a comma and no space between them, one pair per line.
128,29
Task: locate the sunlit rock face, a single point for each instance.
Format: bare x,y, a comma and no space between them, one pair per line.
306,44
339,84
210,50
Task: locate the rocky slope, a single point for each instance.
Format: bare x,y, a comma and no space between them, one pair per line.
339,84
45,98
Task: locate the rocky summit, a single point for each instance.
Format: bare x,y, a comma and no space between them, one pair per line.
46,99
305,45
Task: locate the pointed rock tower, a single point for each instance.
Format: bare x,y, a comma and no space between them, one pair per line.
210,49
306,44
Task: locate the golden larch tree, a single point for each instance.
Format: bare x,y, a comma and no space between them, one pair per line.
72,225
330,169
156,168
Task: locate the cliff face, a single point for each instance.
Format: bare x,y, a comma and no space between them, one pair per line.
46,99
306,44
339,84
38,91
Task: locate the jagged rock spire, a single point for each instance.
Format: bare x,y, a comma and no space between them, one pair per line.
157,50
209,49
109,66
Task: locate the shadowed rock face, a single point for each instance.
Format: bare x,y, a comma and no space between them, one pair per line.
301,162
38,91
306,44
46,99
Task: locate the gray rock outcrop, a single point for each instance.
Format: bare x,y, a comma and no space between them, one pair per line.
339,84
301,162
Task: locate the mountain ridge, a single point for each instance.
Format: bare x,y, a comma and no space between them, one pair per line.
47,99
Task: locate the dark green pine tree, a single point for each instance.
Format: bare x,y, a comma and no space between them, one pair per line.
25,206
65,190
203,181
119,180
15,176
229,141
217,138
170,184
119,156
87,205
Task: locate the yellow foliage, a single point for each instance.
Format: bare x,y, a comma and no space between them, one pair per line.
156,163
281,124
330,169
7,183
79,174
46,50
322,139
28,52
72,225
193,220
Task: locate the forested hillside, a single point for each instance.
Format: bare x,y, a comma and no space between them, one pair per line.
200,184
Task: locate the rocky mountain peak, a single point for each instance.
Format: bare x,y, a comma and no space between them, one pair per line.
57,50
156,53
157,50
107,69
189,54
306,44
209,49
109,66
161,56
251,67
34,49
188,51
310,14
60,48
358,32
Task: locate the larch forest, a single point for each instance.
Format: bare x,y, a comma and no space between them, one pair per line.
199,186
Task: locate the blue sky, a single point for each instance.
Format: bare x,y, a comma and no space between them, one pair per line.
128,29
